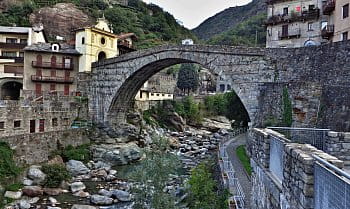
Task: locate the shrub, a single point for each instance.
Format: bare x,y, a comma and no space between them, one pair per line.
81,153
8,168
243,157
14,187
55,174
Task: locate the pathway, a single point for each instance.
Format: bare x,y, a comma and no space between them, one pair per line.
242,176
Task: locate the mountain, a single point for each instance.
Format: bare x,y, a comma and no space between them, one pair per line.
149,22
229,19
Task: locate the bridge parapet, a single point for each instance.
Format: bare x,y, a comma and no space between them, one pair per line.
284,172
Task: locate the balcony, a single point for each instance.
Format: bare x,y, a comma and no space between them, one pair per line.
16,70
17,59
12,45
50,79
327,32
293,17
328,7
289,35
49,65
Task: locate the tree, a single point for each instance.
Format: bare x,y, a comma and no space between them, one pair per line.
188,78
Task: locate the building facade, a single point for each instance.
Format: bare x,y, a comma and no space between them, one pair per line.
95,43
125,43
293,23
12,42
50,68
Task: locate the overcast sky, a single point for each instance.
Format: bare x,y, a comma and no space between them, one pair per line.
194,12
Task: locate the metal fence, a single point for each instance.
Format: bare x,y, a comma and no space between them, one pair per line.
314,136
276,157
332,186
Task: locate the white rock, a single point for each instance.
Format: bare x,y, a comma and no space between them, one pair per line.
35,174
13,195
23,204
77,186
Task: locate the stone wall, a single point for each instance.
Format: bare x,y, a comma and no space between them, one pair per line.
296,190
36,148
338,145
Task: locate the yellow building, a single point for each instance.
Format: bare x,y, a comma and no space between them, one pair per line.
95,43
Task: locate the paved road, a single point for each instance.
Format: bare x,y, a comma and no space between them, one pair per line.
243,177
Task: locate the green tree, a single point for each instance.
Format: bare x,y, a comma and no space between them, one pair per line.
188,78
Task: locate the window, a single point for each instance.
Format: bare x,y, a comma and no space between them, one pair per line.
284,30
141,94
311,7
66,90
2,125
11,40
344,36
345,11
103,41
157,95
41,125
21,54
9,54
309,26
285,11
83,40
163,95
66,121
52,87
54,122
169,95
23,41
17,124
152,94
222,87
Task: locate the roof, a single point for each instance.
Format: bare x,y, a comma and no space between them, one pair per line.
46,47
5,29
93,28
127,35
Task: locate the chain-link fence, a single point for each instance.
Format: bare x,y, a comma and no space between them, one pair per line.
315,137
276,157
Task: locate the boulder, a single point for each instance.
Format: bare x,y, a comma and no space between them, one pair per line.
81,194
52,191
121,195
53,201
32,191
35,174
101,200
27,182
214,126
77,168
102,165
34,200
23,204
77,186
83,207
119,154
105,193
13,195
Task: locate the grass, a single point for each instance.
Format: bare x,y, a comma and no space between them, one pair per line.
243,157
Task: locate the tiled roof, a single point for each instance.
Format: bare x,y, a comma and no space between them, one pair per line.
46,47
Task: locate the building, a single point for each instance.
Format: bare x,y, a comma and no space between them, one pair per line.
293,23
337,25
95,43
50,68
125,43
12,42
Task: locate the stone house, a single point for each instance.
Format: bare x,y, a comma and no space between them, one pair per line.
50,68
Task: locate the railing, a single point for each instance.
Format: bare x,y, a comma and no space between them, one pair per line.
290,34
331,186
276,158
328,7
62,66
52,79
315,137
327,32
300,16
13,69
12,45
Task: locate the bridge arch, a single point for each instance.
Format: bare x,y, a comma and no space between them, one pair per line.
116,81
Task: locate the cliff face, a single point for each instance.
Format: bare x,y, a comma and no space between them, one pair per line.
61,20
228,19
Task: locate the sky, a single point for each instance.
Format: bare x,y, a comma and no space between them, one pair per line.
194,12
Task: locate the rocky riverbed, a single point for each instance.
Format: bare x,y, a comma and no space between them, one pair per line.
98,183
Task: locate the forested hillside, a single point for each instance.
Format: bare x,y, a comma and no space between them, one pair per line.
150,23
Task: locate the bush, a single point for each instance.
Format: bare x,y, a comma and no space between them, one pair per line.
243,157
55,174
8,168
14,187
81,153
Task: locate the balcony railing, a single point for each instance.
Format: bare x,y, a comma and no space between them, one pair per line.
60,66
327,32
291,34
16,70
12,45
52,79
293,17
17,59
328,7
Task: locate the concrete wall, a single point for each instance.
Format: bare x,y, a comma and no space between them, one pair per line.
36,148
296,190
340,25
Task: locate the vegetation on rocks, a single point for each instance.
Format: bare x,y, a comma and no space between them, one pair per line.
55,174
243,157
189,109
287,108
80,153
8,167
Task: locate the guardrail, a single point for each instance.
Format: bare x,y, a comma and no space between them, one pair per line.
237,197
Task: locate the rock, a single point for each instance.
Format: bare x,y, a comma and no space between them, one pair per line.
49,207
101,200
100,173
121,195
77,168
13,195
52,191
77,186
112,172
57,160
23,204
102,165
214,125
34,200
105,193
27,182
174,143
81,194
35,174
83,207
32,191
53,201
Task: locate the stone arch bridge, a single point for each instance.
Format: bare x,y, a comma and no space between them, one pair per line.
252,73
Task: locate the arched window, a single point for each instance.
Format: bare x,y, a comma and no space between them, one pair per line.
39,59
83,40
101,56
